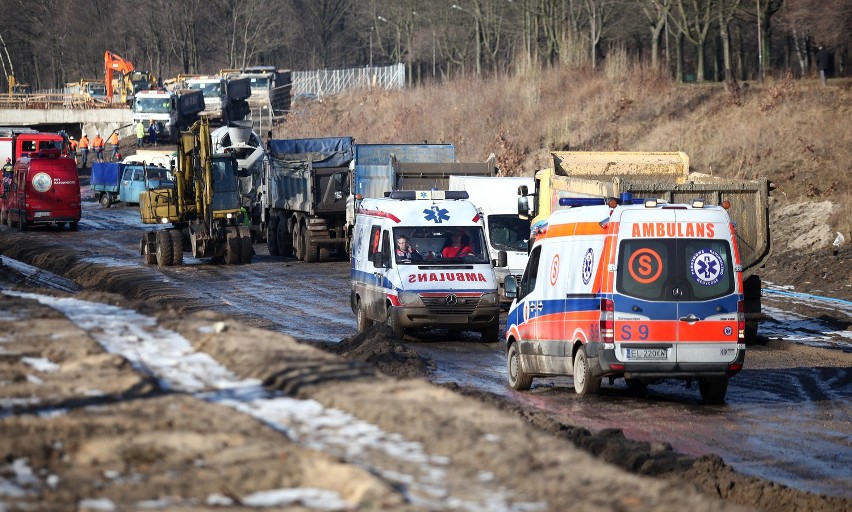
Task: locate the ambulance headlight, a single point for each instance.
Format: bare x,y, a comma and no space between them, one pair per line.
488,299
410,299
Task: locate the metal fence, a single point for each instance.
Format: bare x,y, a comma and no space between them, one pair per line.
334,81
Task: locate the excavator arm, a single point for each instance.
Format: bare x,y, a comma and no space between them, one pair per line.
114,64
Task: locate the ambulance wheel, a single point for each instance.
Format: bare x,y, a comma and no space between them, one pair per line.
364,323
177,246
393,323
492,333
713,389
232,246
584,382
165,256
272,237
246,248
518,378
105,202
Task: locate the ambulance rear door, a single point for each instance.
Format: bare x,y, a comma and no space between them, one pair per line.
675,297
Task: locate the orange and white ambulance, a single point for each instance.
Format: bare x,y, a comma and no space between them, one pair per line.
420,260
642,290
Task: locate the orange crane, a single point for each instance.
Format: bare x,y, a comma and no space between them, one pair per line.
114,63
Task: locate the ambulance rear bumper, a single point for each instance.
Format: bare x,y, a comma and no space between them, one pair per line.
414,317
611,366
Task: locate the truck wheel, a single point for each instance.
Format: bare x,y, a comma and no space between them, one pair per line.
3,216
324,254
165,256
713,389
246,248
177,246
584,382
492,333
105,201
311,251
272,237
147,257
299,242
232,246
285,239
518,378
73,225
363,322
22,223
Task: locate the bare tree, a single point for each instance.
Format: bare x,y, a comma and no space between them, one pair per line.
657,13
726,10
601,13
693,21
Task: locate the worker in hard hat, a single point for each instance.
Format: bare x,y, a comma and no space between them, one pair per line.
113,140
72,148
84,150
98,146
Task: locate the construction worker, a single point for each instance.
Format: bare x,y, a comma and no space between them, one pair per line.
140,133
84,150
113,140
98,146
72,147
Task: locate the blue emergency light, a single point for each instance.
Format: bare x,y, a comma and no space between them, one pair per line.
626,198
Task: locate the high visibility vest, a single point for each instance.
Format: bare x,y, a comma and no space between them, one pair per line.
113,139
98,142
84,142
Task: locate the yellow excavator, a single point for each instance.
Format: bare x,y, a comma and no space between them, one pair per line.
202,206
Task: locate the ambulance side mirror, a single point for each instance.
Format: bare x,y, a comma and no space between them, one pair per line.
510,287
502,259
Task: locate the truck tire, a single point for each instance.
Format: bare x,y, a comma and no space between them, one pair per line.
246,244
165,254
232,246
272,237
177,246
311,250
285,239
751,305
584,382
73,225
519,380
713,389
22,222
324,254
3,216
147,256
105,200
299,242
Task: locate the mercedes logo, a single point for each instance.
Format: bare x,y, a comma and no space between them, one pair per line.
452,300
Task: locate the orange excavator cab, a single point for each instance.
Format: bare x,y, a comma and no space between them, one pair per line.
112,64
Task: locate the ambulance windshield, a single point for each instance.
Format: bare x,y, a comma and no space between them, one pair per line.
438,245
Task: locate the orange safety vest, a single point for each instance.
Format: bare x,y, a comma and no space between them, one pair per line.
73,144
84,142
113,139
98,142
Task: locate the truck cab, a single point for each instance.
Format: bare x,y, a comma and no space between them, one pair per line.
44,190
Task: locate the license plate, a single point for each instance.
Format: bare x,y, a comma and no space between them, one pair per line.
41,214
646,353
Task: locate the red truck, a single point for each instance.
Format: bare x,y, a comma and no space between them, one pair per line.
44,189
15,142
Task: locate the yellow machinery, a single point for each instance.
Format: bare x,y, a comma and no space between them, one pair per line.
203,207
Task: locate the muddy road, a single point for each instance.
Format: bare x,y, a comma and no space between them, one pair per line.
788,416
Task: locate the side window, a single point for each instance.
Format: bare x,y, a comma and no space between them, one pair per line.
28,146
530,273
375,239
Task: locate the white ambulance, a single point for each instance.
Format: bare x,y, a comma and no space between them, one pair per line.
645,291
419,259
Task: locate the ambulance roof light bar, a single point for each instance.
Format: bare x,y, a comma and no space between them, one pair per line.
434,195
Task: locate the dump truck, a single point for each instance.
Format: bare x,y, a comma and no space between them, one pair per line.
170,111
203,207
224,97
381,168
665,176
303,206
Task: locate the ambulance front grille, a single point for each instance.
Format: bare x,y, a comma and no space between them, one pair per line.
446,306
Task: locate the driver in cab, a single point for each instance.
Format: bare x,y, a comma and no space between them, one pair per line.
404,251
458,246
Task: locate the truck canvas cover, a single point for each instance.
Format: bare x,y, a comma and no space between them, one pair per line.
106,174
322,152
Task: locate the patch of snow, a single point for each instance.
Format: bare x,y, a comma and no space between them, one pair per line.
41,364
312,498
99,504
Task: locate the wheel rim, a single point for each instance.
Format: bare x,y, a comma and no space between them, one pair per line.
580,373
513,365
